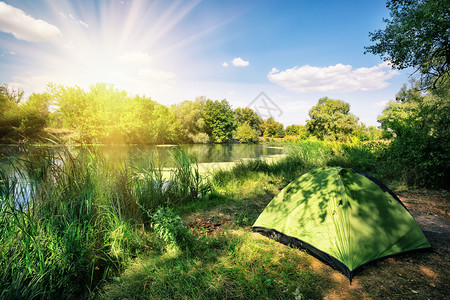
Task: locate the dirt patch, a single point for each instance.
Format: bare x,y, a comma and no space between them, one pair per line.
431,210
201,224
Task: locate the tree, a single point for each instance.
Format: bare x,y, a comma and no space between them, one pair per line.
18,119
9,117
219,121
331,120
10,94
297,130
420,122
108,115
190,116
416,35
246,134
371,133
272,128
36,112
293,129
246,114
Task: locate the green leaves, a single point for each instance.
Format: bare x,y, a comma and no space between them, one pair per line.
189,114
421,123
246,114
219,120
331,120
21,120
169,227
105,114
246,134
416,35
272,128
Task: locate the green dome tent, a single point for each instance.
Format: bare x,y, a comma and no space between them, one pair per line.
345,218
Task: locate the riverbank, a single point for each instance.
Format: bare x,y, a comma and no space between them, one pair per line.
96,229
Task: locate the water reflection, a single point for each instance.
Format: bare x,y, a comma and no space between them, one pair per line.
202,153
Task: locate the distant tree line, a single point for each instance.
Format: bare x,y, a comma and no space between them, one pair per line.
104,114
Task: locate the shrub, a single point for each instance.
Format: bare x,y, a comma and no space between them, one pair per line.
246,134
169,227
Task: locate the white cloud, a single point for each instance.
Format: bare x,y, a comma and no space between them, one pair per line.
25,27
135,58
225,64
341,78
239,62
153,75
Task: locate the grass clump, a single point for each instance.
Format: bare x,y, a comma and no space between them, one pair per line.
169,227
157,186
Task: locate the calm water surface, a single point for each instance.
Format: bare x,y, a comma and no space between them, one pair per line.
202,153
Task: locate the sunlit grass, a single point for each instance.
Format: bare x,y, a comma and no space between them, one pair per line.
235,264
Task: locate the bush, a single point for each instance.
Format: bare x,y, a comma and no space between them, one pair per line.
246,134
169,227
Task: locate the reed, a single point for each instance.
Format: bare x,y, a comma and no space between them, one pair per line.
70,220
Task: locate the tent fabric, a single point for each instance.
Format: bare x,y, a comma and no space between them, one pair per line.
342,216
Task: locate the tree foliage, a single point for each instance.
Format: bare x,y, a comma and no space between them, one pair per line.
297,130
190,116
246,134
421,123
272,128
293,129
370,133
106,114
21,120
248,115
331,120
219,120
416,35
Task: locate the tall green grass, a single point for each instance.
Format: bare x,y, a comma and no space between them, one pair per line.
159,186
302,156
68,221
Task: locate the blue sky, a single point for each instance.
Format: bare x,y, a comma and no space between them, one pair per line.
294,51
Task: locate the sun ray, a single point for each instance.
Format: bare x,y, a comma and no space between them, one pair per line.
97,35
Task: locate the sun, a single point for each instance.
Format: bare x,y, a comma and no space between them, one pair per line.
124,43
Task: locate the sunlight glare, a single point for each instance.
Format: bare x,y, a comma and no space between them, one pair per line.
98,37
